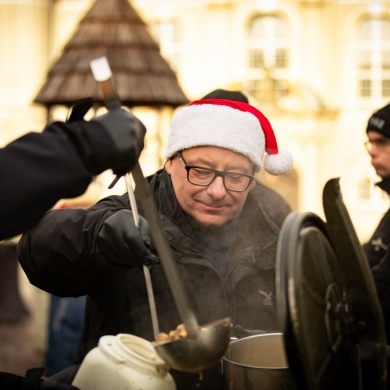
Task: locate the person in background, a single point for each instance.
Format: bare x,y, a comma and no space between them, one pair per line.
223,243
378,147
273,203
381,276
39,169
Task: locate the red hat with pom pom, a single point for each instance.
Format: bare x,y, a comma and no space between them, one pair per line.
228,124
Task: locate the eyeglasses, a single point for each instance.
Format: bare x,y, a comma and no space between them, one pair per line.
379,143
200,176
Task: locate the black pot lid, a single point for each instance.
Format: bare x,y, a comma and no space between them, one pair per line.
334,336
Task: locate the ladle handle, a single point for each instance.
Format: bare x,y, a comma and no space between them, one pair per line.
148,280
164,251
102,73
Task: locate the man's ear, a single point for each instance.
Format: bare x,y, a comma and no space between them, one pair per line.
168,165
252,185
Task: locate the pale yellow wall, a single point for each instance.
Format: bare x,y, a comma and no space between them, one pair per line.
214,36
23,26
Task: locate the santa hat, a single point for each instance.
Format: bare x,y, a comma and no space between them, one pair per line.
228,124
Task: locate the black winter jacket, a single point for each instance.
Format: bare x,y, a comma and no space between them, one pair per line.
58,256
381,274
376,248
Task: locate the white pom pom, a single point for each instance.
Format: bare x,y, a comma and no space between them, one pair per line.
278,164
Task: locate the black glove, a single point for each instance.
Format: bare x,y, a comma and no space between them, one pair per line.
127,133
113,140
121,243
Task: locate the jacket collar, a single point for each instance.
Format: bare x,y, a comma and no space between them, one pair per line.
384,185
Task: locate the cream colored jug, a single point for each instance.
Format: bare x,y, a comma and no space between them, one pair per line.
123,362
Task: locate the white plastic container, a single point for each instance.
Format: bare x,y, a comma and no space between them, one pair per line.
123,362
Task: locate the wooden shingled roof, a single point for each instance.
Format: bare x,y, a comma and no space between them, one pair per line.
112,28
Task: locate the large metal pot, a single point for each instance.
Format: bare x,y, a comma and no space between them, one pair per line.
257,363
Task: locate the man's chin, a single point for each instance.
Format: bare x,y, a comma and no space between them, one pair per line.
212,223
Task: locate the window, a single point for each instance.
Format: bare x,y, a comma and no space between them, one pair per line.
269,54
167,34
373,58
364,189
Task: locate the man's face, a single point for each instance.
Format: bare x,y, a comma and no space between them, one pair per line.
212,206
379,150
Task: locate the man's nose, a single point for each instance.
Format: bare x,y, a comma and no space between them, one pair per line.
373,150
217,188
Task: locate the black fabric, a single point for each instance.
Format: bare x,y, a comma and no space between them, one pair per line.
381,275
36,171
127,133
90,141
39,169
59,256
273,204
376,248
384,185
31,381
119,235
80,109
10,381
61,380
380,121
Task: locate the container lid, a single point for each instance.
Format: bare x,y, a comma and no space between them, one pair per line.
334,339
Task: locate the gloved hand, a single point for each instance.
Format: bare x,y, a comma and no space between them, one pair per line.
121,243
113,140
127,133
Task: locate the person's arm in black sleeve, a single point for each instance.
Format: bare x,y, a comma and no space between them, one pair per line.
38,169
69,250
381,275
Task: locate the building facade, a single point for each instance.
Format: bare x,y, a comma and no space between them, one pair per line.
316,68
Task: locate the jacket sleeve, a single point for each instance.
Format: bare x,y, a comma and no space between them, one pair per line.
60,256
381,274
38,169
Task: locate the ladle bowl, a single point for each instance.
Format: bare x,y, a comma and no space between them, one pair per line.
193,355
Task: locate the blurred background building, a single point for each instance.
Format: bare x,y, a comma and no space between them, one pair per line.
316,68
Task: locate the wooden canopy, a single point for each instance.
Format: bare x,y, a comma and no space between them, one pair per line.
112,28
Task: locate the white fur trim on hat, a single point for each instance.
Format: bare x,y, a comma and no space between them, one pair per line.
278,164
220,126
232,125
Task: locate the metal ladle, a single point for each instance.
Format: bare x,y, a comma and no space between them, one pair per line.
205,345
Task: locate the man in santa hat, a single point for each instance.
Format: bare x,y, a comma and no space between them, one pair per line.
222,241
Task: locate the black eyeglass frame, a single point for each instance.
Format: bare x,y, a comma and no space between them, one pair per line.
216,174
